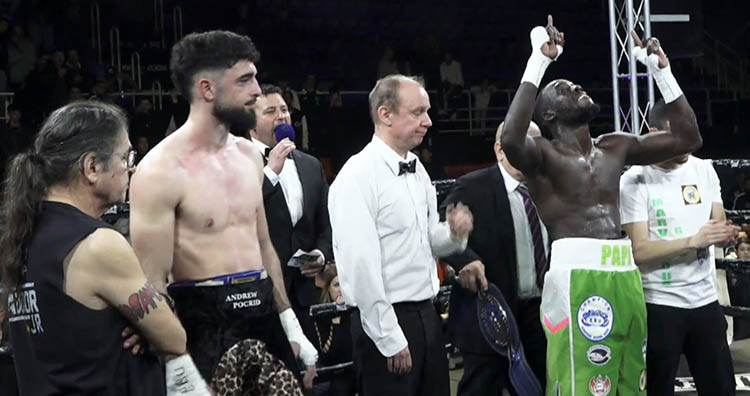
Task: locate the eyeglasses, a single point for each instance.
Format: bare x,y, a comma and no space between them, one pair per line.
129,158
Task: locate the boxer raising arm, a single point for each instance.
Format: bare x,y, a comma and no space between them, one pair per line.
197,210
573,179
576,179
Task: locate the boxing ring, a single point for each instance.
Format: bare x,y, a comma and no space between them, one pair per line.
734,286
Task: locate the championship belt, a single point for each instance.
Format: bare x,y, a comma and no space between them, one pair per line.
499,329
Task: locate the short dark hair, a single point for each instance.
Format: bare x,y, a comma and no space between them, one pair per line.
213,50
657,116
543,103
268,89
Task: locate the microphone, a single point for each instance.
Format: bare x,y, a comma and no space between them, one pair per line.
284,131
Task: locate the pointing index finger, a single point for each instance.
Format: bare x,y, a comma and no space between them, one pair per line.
549,20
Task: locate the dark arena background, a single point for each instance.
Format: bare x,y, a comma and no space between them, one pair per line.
327,54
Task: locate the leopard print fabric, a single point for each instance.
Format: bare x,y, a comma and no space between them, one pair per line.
247,369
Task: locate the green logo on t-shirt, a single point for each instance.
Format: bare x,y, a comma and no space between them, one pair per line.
661,218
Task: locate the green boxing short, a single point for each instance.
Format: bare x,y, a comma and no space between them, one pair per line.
594,315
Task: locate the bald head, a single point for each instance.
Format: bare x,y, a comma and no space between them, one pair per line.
533,130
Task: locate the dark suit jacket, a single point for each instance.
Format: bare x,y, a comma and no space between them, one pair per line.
493,242
312,231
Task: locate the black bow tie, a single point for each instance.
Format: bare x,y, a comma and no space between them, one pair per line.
410,167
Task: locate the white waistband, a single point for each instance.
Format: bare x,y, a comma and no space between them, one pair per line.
596,254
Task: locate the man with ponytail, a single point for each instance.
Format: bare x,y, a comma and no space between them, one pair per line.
72,282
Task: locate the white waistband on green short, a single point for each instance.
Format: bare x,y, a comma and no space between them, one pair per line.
590,253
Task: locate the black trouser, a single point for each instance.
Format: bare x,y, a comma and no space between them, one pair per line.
487,374
429,373
699,333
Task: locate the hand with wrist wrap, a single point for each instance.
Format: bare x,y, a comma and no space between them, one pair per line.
652,55
294,333
546,46
183,378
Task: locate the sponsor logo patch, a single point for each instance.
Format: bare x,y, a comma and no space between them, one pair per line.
600,386
599,355
691,195
595,318
645,343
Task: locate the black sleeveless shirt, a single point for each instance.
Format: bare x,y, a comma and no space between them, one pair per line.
62,347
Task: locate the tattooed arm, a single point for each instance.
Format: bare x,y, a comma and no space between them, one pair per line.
116,277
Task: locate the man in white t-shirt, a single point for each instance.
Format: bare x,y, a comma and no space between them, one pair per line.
673,213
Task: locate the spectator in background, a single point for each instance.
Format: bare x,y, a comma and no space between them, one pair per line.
99,91
482,95
75,94
142,146
287,93
452,81
21,56
334,341
310,100
144,121
299,121
433,168
743,247
59,92
15,136
387,64
73,61
3,53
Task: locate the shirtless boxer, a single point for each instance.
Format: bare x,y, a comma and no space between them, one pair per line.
197,211
593,309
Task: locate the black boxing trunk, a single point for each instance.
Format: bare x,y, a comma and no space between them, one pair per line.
222,311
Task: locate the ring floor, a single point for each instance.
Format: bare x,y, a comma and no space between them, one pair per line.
740,356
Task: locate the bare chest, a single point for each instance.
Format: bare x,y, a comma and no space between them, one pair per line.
221,192
592,178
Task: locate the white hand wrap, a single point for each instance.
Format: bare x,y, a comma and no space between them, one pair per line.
663,78
538,62
294,333
183,378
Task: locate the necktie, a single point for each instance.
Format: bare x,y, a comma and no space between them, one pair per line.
540,257
404,167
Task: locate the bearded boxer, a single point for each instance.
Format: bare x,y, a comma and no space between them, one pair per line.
593,309
74,282
195,212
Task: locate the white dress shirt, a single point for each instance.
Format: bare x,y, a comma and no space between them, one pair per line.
527,287
290,183
386,230
452,73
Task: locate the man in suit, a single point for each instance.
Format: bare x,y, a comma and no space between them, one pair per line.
295,196
508,248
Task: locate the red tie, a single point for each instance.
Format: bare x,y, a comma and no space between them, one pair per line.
540,257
